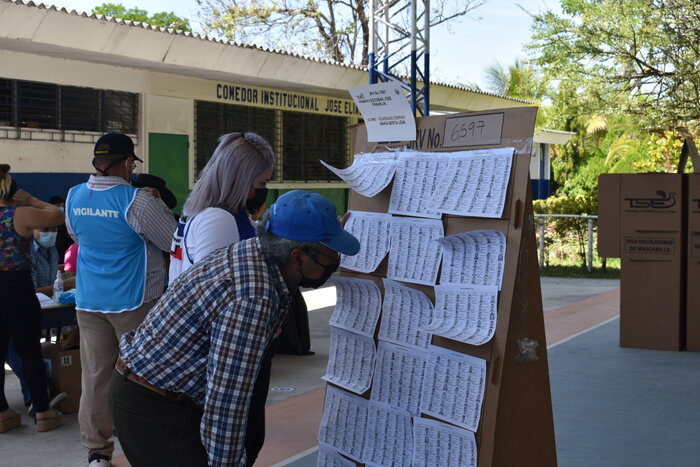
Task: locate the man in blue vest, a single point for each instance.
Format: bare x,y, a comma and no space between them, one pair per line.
121,231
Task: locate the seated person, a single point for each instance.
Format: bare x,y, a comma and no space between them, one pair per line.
45,261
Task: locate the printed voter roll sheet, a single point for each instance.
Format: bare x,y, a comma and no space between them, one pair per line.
344,422
453,387
465,313
329,457
350,361
476,257
358,304
414,255
474,183
417,177
369,173
398,377
437,443
389,438
372,230
404,311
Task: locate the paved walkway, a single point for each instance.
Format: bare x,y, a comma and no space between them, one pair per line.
572,308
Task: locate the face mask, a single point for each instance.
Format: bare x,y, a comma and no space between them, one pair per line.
47,239
254,203
316,283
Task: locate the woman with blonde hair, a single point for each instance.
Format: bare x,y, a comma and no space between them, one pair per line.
20,313
215,215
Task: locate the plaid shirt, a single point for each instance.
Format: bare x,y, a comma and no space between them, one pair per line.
206,337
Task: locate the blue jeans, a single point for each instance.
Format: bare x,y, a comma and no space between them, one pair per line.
15,363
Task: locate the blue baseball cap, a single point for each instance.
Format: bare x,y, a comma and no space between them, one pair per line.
306,216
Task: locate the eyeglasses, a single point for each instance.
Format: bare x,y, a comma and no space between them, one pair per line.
314,254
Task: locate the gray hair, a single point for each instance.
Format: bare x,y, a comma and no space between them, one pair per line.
278,248
228,176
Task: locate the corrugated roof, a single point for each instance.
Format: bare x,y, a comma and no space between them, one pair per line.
204,37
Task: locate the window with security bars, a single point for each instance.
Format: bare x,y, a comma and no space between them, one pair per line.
308,138
80,108
42,105
215,119
7,113
119,111
37,104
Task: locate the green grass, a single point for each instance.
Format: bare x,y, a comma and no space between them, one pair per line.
580,272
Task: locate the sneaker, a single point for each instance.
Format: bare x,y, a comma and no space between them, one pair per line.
98,460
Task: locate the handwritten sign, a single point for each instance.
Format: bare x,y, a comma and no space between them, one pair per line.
474,130
386,112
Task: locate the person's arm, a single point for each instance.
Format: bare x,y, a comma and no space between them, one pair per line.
237,343
34,214
152,219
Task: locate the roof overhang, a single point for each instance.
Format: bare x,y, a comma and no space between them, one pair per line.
553,136
48,31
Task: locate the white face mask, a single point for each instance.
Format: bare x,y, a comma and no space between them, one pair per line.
47,239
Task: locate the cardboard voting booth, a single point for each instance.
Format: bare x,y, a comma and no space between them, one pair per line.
645,219
496,410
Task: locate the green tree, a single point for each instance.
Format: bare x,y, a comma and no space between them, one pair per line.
331,29
162,19
520,81
634,56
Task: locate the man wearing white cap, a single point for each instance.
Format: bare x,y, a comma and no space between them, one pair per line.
181,389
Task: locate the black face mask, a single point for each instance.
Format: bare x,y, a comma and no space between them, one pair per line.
328,271
253,204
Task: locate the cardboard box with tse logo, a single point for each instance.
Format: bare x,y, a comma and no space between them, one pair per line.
641,219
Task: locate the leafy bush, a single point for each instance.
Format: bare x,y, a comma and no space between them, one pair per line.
562,232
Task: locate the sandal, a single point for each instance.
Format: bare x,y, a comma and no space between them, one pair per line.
47,424
10,422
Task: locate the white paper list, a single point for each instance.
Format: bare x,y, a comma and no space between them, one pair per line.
398,377
329,457
436,443
350,360
369,173
465,313
453,387
474,183
417,177
404,311
389,439
372,230
414,255
357,306
476,257
344,422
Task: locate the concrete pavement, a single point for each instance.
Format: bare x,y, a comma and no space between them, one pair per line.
296,397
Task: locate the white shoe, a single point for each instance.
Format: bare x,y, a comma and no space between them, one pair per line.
100,463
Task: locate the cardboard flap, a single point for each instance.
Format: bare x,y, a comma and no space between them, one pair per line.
689,149
609,186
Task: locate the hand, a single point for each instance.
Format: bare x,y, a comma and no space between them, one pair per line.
344,219
23,198
153,191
